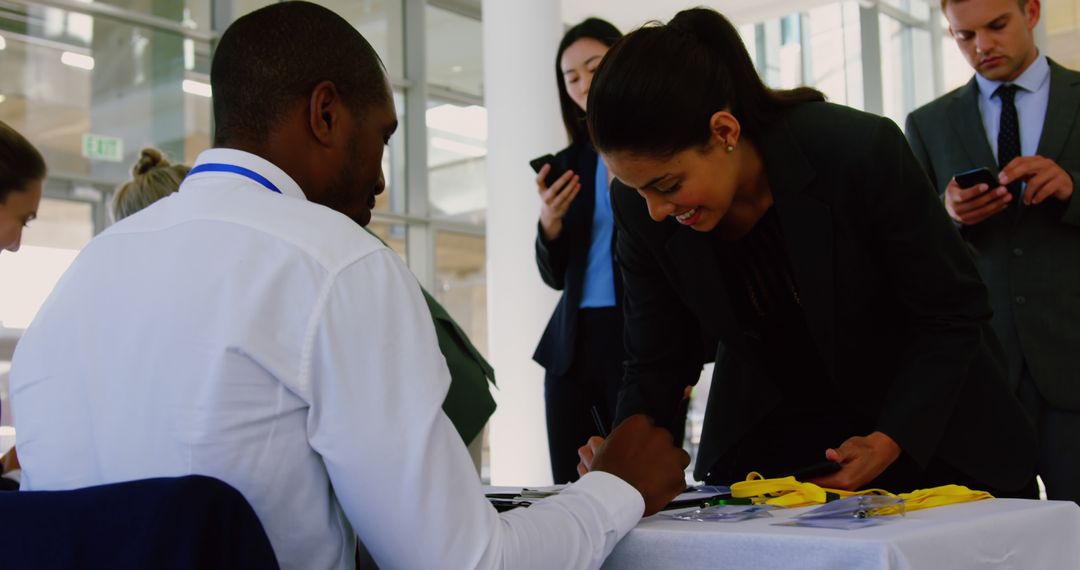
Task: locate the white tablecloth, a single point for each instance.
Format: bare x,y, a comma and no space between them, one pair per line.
1000,533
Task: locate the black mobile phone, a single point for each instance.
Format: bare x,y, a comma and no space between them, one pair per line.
975,176
811,471
553,175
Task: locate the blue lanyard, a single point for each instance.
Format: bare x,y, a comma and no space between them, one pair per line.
218,167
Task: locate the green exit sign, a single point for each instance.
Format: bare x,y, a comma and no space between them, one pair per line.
99,147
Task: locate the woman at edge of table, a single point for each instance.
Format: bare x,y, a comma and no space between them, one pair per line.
22,176
850,322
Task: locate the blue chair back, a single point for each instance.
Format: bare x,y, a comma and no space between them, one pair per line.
176,523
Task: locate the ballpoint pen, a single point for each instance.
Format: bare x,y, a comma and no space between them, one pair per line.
599,423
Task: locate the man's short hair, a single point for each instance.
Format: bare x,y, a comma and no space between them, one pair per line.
271,58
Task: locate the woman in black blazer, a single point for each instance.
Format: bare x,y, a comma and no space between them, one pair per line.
581,349
803,243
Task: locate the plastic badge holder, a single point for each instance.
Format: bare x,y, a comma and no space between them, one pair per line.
859,511
724,513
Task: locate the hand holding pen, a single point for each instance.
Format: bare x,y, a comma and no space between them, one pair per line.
588,451
600,427
643,455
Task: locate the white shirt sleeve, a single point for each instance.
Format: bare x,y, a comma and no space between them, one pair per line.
376,382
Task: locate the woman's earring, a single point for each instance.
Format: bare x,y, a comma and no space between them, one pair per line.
731,148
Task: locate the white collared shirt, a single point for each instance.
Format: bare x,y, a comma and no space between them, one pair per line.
272,343
1031,102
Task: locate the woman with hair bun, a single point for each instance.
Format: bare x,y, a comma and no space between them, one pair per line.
153,178
804,243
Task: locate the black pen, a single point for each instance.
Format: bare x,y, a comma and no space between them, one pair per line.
599,422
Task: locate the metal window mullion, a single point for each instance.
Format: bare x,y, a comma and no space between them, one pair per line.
420,241
903,17
122,15
805,50
870,36
434,224
937,56
466,9
453,96
907,67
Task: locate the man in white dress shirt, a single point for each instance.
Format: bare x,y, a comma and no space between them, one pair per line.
247,328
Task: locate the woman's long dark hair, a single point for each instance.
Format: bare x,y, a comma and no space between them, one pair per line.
20,162
572,115
657,88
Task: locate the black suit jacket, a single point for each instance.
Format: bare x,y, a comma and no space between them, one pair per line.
1029,259
562,262
892,299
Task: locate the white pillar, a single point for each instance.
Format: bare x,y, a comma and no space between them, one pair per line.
520,39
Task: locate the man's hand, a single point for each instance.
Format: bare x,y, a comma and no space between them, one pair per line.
1045,179
643,455
10,461
861,460
970,206
555,200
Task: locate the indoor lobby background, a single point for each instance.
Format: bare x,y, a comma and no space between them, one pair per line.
92,82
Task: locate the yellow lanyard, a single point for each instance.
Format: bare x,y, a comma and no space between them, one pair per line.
788,492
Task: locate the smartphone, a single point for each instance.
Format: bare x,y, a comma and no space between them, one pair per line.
811,471
539,162
975,176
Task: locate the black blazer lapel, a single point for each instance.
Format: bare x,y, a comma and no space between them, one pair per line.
808,234
579,215
704,289
965,119
577,225
1061,111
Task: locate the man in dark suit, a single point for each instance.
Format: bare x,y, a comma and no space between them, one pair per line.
1018,117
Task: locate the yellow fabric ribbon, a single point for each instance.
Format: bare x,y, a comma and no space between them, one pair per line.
788,492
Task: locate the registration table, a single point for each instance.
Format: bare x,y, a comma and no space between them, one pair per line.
998,533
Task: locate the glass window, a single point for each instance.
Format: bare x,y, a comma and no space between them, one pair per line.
778,52
956,69
380,22
391,234
91,92
454,51
50,243
192,13
457,147
393,165
748,33
835,54
1062,18
65,224
904,49
918,8
461,282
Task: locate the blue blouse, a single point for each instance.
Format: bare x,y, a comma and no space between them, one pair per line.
599,276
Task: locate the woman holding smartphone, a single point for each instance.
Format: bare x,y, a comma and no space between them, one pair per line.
804,241
581,350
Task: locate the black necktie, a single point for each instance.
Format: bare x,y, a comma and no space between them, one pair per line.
1008,146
